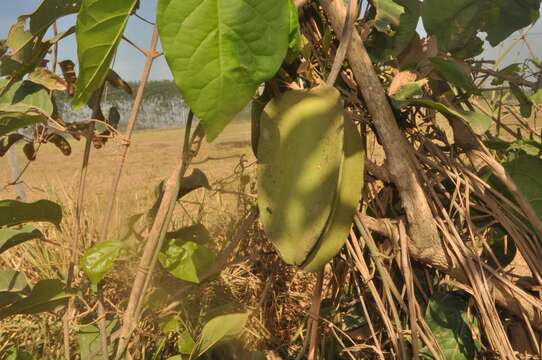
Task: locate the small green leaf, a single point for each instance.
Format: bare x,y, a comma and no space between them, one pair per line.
186,260
447,319
479,122
220,52
388,14
12,281
218,329
17,354
13,212
170,324
99,259
451,70
100,25
10,237
47,295
410,90
525,103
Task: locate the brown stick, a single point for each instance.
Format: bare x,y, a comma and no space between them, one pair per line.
151,55
315,316
400,156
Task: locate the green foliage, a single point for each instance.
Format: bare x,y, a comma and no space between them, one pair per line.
47,295
184,256
10,237
13,212
17,354
383,46
220,328
89,340
100,258
525,103
100,25
220,52
455,73
388,14
526,171
447,319
12,281
536,98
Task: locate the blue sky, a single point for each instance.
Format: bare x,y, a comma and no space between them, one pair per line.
129,62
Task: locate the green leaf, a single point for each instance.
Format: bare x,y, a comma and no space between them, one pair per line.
536,98
47,295
383,47
218,329
410,90
186,260
220,52
185,343
454,23
100,25
526,171
294,45
479,122
12,281
504,17
13,121
99,259
10,237
388,14
26,97
451,70
447,319
89,340
525,103
48,79
13,212
45,15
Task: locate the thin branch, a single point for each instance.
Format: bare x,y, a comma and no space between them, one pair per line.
346,37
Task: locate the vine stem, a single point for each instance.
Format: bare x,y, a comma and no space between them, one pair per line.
151,55
96,112
156,237
315,316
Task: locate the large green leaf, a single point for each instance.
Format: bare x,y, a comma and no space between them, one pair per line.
478,121
453,71
100,258
186,260
220,328
346,201
220,52
382,47
100,25
299,160
13,212
446,317
47,295
13,121
453,22
10,237
507,16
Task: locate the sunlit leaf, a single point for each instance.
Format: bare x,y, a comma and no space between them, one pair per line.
100,25
295,35
12,281
536,98
89,340
46,295
219,329
10,237
186,260
100,258
185,343
47,79
13,212
26,97
220,52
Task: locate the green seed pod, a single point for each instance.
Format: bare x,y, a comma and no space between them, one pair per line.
299,154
